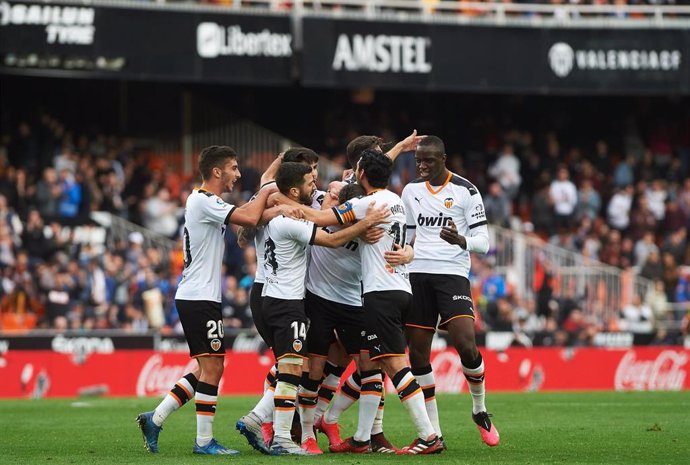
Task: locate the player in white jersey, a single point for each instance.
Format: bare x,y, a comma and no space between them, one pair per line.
386,298
257,425
199,295
445,214
283,306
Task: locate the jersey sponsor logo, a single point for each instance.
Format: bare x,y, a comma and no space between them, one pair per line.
462,297
215,345
434,221
297,345
478,213
370,337
448,202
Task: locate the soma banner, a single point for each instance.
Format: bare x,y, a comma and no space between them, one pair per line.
148,42
452,57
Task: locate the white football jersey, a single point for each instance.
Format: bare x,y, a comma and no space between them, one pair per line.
260,236
336,274
285,257
377,274
203,246
430,208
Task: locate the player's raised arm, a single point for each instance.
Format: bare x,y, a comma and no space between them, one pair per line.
374,216
408,144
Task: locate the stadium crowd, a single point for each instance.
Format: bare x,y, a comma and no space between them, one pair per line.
628,208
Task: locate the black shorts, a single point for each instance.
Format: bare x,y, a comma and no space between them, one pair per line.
255,306
438,294
325,317
286,323
202,322
385,312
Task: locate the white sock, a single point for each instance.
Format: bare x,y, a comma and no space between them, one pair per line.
264,408
412,398
377,428
425,378
284,404
475,382
178,396
328,388
307,397
348,395
206,398
369,400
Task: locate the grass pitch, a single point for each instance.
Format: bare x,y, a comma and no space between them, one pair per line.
536,428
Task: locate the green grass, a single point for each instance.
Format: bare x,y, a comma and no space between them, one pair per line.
536,428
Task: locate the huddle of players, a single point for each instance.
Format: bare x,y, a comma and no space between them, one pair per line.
361,290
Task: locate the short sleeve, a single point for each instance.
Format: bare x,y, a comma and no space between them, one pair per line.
301,231
475,215
354,209
409,213
213,209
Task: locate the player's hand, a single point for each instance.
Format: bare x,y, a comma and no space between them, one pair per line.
372,235
399,256
451,236
347,173
334,189
409,144
376,215
291,212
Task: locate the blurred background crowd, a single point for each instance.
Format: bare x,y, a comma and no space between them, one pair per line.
621,199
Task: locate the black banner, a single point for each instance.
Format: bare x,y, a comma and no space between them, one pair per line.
144,43
453,57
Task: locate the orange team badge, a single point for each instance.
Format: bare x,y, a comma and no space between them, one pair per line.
297,345
215,345
448,202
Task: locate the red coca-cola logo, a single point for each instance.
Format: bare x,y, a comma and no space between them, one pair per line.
666,372
157,378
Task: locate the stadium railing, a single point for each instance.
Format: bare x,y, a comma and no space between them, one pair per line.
526,261
520,14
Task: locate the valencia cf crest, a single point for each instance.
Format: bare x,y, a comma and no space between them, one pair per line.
448,202
389,268
297,345
215,345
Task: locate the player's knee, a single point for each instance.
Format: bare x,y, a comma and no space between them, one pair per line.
467,348
291,365
419,357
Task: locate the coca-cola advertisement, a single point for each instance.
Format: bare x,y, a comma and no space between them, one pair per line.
45,373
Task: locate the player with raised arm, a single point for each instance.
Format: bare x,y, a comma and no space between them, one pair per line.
386,298
285,264
445,213
199,295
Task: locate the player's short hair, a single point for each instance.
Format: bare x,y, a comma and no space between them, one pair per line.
359,145
350,191
215,156
300,155
377,166
433,144
291,174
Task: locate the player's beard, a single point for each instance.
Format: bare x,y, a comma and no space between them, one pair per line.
305,198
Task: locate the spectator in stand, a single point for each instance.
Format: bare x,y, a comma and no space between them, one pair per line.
676,244
656,194
644,247
506,171
624,174
588,202
684,197
497,206
656,300
160,214
642,220
637,317
11,219
48,195
563,195
542,213
618,211
71,195
671,275
38,244
675,219
683,294
652,268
